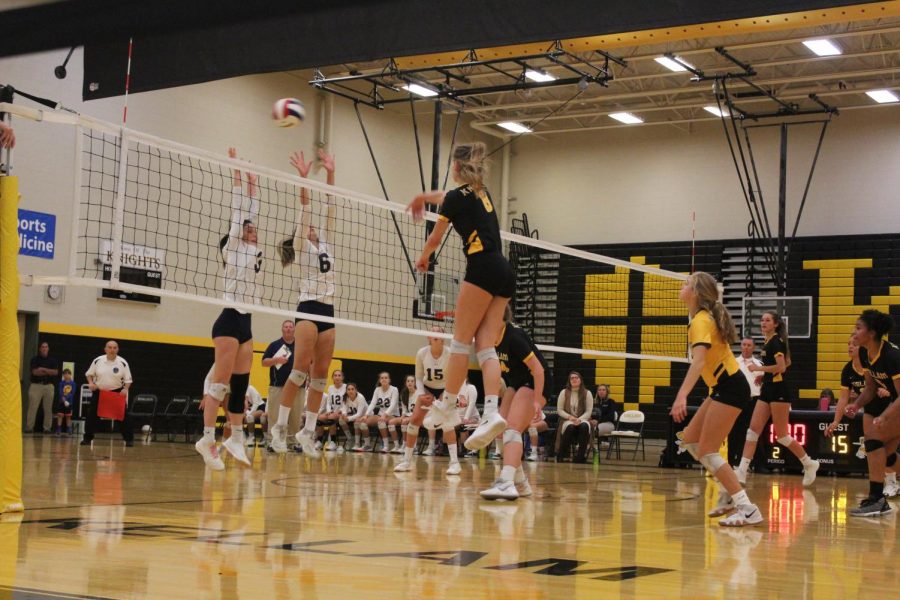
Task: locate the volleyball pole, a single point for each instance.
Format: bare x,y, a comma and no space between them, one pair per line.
10,385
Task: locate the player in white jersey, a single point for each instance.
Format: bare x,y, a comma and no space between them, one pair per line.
407,404
334,399
431,367
254,412
314,339
353,414
384,406
231,333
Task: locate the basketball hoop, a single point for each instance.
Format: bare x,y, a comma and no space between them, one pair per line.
445,315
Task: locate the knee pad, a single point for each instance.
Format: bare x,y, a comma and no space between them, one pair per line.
692,449
382,425
263,419
363,427
752,436
712,462
460,348
873,445
511,436
297,377
891,460
485,355
532,431
249,419
318,384
447,429
239,383
785,440
218,391
412,429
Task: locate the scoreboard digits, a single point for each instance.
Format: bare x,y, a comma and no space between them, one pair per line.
837,453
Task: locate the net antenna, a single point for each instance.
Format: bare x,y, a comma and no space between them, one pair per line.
730,90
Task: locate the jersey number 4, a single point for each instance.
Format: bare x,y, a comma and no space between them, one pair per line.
324,263
434,374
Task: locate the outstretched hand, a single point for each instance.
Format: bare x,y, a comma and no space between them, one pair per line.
327,160
417,207
298,160
7,136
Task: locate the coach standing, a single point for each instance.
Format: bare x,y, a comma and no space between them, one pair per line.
279,357
108,372
44,373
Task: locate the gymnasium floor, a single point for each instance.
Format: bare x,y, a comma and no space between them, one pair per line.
150,521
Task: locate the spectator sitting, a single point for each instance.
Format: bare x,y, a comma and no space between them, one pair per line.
65,403
605,413
574,407
826,400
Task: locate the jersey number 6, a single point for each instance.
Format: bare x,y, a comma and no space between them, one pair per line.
324,263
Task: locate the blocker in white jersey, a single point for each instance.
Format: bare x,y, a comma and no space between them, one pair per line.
242,258
317,269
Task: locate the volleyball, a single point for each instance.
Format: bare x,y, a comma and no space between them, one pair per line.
288,112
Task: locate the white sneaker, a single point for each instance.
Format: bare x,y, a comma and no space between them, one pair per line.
330,447
428,451
744,515
340,450
724,506
385,449
397,449
501,490
210,454
358,448
403,467
307,443
318,445
809,473
524,488
741,475
891,490
490,427
279,439
532,456
236,449
454,469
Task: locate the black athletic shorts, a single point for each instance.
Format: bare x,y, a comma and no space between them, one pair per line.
732,390
233,324
437,393
877,406
774,391
529,383
491,272
314,307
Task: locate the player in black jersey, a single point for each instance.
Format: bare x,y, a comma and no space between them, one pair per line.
881,422
486,289
853,380
528,385
774,399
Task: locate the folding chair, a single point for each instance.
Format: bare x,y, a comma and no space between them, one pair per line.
143,410
173,414
630,427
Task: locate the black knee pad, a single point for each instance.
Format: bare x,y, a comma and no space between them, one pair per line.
239,383
891,460
873,445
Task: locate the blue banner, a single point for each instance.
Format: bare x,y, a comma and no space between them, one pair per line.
37,233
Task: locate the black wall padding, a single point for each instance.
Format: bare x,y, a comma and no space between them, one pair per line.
179,43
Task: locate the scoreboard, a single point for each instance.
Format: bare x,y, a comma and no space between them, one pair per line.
839,453
140,265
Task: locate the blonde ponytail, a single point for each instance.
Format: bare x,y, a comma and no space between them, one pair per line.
704,285
470,163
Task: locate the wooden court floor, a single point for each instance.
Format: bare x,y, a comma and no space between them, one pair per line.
151,522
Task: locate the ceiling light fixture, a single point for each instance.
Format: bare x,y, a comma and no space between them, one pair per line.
627,118
539,76
822,47
514,126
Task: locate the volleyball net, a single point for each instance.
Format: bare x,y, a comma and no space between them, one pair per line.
149,216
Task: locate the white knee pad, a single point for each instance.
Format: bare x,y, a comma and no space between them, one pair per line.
485,355
447,429
218,391
263,419
250,419
785,440
511,436
712,462
460,348
532,431
297,377
382,425
318,384
752,436
363,427
412,429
